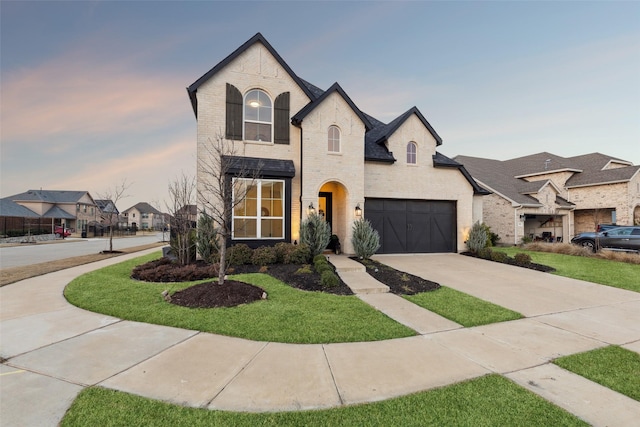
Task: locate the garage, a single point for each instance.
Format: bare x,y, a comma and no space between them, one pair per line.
413,226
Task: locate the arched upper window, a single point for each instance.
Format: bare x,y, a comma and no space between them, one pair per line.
412,153
258,116
334,139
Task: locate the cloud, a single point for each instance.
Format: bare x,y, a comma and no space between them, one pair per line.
77,95
147,173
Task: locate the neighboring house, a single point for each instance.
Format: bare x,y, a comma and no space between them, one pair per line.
72,209
315,150
109,213
143,216
545,196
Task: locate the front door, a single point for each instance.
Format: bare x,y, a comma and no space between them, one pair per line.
325,206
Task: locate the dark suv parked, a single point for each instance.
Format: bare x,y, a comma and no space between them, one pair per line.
619,238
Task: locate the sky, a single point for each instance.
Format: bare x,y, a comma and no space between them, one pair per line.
93,93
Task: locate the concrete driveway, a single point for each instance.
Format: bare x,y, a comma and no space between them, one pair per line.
53,350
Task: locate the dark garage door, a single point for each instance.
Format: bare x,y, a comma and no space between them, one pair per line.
413,226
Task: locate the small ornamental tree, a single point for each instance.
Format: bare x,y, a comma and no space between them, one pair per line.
477,237
366,240
315,233
207,238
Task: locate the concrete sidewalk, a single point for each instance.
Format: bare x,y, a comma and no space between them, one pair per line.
54,349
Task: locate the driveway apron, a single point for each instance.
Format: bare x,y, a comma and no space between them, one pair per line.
53,350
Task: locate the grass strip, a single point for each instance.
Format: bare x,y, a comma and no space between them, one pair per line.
487,401
15,274
613,367
605,272
288,315
462,308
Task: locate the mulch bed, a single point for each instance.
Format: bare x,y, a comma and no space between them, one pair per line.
211,294
287,273
511,261
399,282
232,292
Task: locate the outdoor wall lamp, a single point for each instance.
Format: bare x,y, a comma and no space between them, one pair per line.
311,210
358,211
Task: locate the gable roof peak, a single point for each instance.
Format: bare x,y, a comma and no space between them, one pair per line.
398,121
300,115
257,38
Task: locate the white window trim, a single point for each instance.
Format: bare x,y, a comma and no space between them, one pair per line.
245,120
339,140
414,144
258,217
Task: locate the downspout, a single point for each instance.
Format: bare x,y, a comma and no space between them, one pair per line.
301,174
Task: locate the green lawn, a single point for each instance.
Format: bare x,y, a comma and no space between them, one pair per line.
606,272
613,367
488,401
287,315
462,308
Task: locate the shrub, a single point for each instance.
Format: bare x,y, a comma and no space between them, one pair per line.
315,233
282,249
499,257
305,269
485,253
477,238
526,239
522,258
264,255
319,258
183,246
366,240
322,265
207,238
239,254
300,254
329,279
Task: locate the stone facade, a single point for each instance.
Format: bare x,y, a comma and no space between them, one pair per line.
343,173
573,196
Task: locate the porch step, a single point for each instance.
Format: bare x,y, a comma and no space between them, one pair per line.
362,283
355,276
343,263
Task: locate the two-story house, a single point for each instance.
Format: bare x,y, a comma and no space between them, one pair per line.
549,197
314,150
74,210
143,216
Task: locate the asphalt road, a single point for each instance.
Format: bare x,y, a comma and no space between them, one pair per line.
27,254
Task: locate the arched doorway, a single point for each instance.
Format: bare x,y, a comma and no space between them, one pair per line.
333,206
636,215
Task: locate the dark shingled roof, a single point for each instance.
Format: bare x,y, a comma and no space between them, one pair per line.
10,208
377,131
57,212
265,167
144,207
49,196
300,115
193,88
442,161
502,176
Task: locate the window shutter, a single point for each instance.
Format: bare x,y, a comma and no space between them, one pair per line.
234,113
281,119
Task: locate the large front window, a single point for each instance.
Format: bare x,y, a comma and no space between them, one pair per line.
258,116
259,209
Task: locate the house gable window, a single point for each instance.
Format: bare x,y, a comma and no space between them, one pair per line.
258,116
333,139
412,153
260,214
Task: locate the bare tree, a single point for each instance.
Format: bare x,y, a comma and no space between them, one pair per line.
181,198
223,184
110,212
